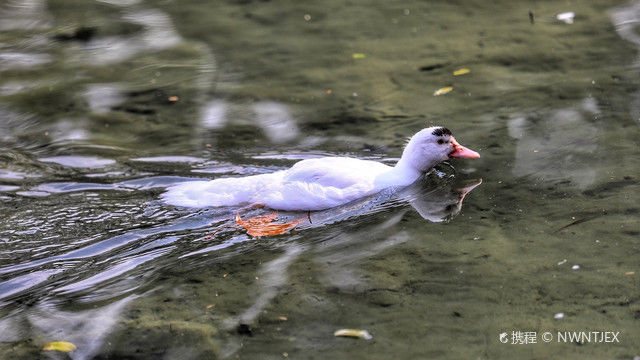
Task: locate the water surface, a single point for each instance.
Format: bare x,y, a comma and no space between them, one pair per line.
103,104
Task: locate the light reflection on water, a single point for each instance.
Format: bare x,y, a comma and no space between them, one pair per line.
559,145
158,34
94,129
19,15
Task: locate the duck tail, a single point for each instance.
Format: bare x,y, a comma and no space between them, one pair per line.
218,192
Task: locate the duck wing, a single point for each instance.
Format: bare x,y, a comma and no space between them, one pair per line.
336,172
317,184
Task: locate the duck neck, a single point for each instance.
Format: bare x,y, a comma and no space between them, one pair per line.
400,175
405,172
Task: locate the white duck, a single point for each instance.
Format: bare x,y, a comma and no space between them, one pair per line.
316,184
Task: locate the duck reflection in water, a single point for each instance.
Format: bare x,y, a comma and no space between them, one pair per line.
441,203
434,201
339,249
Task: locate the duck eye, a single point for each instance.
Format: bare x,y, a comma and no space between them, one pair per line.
440,141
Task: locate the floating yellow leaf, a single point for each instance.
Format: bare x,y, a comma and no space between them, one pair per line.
63,346
359,56
461,72
629,273
354,333
442,91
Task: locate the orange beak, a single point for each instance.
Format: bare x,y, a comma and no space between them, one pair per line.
460,151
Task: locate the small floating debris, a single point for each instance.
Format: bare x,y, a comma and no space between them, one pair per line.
63,346
443,91
432,67
558,316
358,56
562,262
244,329
353,333
575,267
630,273
173,98
461,71
566,17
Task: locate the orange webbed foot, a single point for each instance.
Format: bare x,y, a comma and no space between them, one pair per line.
263,225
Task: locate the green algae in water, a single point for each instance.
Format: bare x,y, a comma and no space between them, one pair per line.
551,106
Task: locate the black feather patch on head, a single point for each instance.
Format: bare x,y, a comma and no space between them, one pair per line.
441,131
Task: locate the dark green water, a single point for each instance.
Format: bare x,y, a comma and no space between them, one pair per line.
103,104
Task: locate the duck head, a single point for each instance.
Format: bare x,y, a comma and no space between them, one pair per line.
431,146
